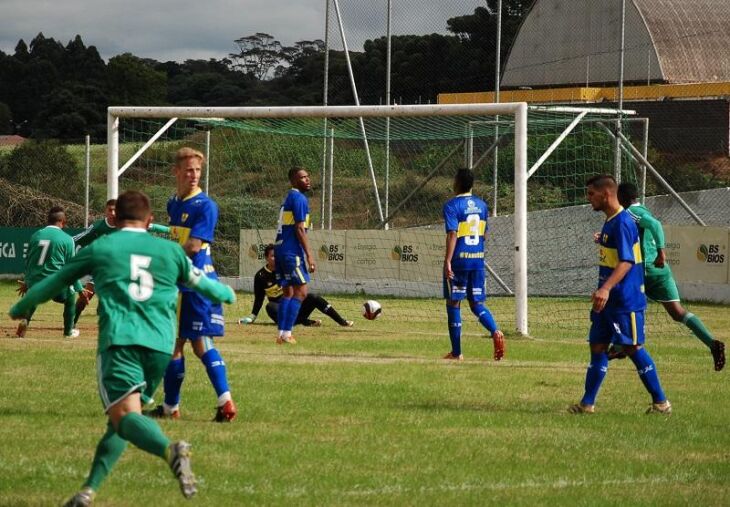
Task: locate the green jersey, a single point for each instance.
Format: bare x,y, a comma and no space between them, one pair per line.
136,276
48,250
651,235
102,228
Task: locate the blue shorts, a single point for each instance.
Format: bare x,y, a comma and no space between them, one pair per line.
199,316
470,284
621,328
290,270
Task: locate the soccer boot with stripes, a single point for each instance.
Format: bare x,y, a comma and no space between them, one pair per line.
179,461
83,498
660,408
159,412
718,354
226,412
286,339
580,408
451,356
498,341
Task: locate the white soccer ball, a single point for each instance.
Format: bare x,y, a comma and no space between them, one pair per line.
371,309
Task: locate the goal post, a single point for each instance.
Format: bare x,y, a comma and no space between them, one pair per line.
517,111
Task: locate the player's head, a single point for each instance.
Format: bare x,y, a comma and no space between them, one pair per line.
269,256
628,194
133,209
299,179
56,216
463,181
110,210
601,192
188,169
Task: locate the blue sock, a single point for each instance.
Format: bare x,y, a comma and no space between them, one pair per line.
294,307
485,317
594,377
282,312
454,316
174,376
648,375
216,369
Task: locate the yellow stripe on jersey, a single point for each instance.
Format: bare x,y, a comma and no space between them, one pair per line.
633,328
608,257
287,218
469,229
182,234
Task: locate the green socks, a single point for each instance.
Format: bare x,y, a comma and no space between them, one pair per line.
69,315
145,433
110,448
693,322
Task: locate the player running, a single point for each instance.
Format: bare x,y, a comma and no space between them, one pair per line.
465,219
291,249
659,281
136,276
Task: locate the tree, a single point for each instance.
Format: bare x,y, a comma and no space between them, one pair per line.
258,54
132,81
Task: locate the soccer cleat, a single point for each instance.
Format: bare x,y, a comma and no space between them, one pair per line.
452,357
226,412
348,323
615,352
498,340
718,354
83,498
22,328
159,412
313,323
179,461
75,333
660,408
580,408
290,340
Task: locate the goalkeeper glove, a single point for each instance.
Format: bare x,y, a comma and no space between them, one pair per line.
247,320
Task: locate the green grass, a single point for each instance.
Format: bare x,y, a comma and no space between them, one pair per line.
371,416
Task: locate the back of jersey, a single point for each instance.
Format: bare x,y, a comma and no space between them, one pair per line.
48,250
466,215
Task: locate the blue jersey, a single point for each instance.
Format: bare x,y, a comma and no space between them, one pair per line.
195,216
294,209
620,243
466,215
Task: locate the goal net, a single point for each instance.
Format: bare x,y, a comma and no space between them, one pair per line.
380,177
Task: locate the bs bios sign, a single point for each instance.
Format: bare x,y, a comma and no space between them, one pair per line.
698,254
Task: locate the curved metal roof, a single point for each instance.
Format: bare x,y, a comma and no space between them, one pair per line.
568,42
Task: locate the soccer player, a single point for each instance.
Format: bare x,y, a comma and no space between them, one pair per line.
136,276
265,285
658,278
465,219
291,249
49,250
100,228
193,217
619,302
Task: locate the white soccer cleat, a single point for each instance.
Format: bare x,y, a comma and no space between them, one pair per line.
83,498
75,333
179,461
660,408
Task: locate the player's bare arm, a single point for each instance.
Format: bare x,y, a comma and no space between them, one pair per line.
301,232
450,247
192,246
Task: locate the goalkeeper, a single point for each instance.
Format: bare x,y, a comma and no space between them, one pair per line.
265,285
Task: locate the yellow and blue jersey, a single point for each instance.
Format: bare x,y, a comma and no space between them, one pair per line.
295,209
466,215
619,242
194,216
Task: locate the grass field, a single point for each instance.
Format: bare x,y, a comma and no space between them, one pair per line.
371,416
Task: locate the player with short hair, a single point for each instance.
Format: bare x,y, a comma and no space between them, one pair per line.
659,281
265,285
193,217
294,259
465,220
136,276
49,249
619,302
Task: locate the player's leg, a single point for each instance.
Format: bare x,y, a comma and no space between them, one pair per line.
24,323
295,289
306,309
68,298
599,338
215,367
299,294
454,293
82,303
283,311
272,310
476,293
325,307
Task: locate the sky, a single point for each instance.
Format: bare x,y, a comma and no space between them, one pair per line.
182,29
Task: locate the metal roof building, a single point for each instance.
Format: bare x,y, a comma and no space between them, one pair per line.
577,42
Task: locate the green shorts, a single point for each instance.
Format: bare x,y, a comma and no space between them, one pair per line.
122,371
661,288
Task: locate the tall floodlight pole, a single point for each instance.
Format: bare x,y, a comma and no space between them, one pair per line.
387,101
324,100
622,50
497,67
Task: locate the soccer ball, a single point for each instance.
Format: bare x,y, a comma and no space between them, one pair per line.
371,309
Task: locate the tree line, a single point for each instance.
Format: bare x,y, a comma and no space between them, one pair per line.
51,90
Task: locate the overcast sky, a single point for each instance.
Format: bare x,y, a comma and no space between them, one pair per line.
182,29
